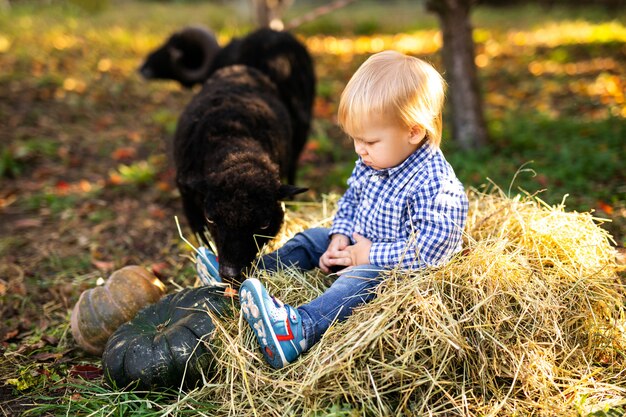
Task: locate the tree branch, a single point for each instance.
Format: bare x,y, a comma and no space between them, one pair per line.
318,12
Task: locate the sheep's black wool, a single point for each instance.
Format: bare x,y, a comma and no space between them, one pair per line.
240,135
232,146
288,64
191,56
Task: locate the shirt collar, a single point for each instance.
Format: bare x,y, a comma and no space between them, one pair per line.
417,158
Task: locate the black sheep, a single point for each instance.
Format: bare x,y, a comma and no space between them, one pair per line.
231,148
191,56
240,135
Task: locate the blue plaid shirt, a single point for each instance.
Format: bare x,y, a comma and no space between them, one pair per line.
413,213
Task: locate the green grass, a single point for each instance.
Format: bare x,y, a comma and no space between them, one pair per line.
90,398
16,157
610,412
85,398
581,159
366,17
50,200
71,265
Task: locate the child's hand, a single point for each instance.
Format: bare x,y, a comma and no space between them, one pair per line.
360,251
350,255
335,253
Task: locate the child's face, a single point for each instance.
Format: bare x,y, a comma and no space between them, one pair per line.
385,143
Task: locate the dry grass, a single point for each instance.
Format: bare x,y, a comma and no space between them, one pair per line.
524,322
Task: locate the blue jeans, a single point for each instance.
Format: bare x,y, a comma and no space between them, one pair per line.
349,290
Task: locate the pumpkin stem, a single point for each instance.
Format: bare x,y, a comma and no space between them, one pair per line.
161,326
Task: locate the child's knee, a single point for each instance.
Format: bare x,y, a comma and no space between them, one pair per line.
316,237
359,278
315,233
365,272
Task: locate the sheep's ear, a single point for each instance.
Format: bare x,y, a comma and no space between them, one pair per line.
287,191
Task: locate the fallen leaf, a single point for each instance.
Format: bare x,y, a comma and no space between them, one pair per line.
51,340
85,186
62,187
322,108
25,348
27,223
124,153
115,179
45,356
86,371
608,209
163,186
104,122
10,335
156,212
7,201
134,136
103,265
20,385
312,145
158,269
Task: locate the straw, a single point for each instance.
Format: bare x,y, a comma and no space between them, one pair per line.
528,320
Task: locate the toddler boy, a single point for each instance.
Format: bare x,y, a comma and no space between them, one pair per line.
404,207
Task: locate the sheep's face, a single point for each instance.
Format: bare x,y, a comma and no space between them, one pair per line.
241,223
184,57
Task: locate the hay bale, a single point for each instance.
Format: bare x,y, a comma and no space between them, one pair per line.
525,322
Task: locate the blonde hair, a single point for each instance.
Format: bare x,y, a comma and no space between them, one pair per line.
394,85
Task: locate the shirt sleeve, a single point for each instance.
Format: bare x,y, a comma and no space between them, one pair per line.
437,215
343,222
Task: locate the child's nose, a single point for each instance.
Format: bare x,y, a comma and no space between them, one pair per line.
360,149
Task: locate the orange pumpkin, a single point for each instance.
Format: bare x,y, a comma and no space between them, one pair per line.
101,310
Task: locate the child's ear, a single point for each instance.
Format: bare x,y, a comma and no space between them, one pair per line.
417,134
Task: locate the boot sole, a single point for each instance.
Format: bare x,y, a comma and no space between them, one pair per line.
261,325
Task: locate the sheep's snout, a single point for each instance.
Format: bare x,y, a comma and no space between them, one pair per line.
230,273
146,72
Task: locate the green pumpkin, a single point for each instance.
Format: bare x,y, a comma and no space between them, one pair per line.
167,340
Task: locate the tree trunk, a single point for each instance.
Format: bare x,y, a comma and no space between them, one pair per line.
269,12
261,12
468,121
